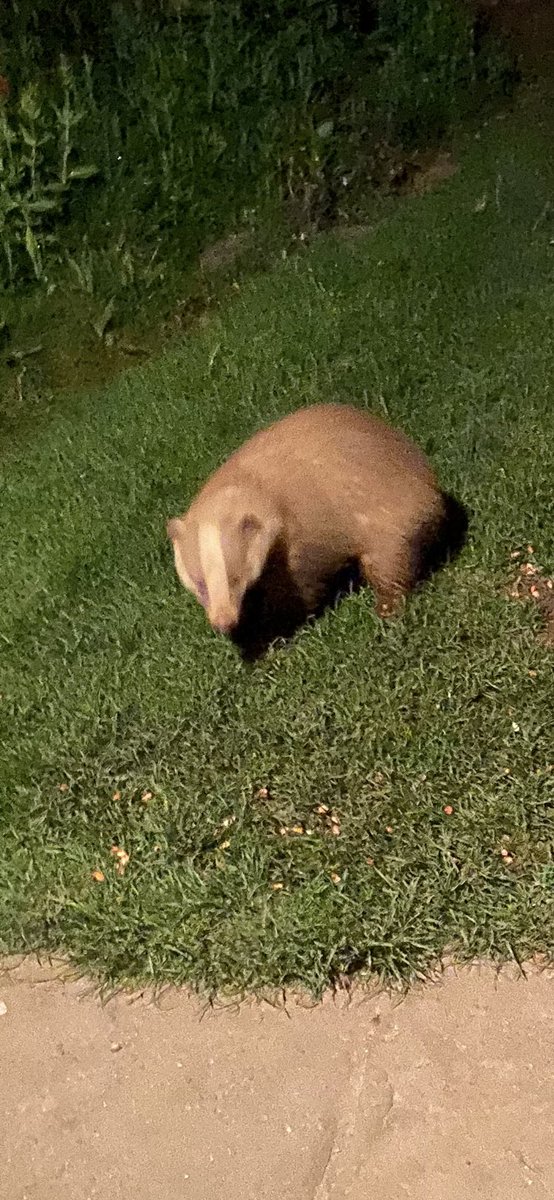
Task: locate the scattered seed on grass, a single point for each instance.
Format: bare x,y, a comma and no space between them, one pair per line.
224,845
388,829
98,876
116,796
335,877
122,859
262,794
64,787
332,820
146,797
277,887
448,810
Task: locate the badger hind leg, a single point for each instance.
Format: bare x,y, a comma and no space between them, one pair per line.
397,563
401,562
390,574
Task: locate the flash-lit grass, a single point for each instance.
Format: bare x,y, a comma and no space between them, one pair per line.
113,686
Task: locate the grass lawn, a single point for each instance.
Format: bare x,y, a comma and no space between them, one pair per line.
125,722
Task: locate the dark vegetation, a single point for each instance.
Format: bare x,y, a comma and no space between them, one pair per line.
135,134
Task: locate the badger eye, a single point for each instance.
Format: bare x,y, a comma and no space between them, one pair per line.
201,590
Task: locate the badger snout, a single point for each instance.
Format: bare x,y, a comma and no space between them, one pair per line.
223,621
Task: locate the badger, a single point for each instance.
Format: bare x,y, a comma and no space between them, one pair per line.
323,487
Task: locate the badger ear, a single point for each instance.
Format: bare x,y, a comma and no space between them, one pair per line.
173,528
250,525
259,537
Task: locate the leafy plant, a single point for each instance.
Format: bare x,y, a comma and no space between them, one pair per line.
38,168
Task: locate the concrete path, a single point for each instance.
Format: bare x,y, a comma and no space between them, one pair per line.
448,1095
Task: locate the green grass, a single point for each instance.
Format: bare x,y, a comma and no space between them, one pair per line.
112,683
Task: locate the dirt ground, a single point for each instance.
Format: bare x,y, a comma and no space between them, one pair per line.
446,1095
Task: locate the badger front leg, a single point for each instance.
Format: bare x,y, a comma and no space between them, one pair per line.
308,572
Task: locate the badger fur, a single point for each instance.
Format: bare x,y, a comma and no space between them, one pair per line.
324,487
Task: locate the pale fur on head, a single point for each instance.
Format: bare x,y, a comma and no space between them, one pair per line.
221,546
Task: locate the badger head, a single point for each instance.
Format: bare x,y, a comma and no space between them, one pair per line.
221,547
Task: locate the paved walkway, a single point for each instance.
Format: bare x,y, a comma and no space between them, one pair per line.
448,1095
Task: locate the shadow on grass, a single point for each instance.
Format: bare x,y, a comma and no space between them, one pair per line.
274,611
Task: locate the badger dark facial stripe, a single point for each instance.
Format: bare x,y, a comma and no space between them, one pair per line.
201,591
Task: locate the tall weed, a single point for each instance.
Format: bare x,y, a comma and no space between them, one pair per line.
39,167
